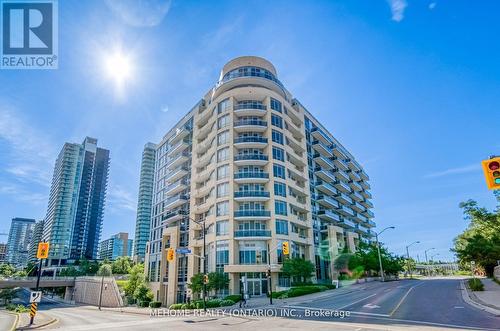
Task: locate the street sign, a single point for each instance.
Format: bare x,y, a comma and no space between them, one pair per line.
35,296
43,250
183,251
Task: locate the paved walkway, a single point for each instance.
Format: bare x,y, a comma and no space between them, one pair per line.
491,294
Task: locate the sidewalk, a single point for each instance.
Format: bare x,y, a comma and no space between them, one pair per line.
489,299
41,320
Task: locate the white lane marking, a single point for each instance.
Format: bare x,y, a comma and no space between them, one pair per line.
355,302
371,306
334,310
459,307
403,298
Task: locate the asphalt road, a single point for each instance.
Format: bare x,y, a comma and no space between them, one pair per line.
434,304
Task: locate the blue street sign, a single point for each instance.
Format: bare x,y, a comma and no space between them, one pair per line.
183,251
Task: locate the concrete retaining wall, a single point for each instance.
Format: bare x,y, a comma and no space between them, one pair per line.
87,290
496,272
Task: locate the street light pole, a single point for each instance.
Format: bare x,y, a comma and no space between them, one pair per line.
379,255
426,260
204,261
408,256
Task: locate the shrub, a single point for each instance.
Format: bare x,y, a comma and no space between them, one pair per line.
226,302
21,309
199,305
475,284
155,304
234,297
214,303
143,304
175,306
10,306
184,306
298,291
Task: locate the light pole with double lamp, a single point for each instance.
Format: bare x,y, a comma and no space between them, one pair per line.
426,260
203,258
408,256
382,278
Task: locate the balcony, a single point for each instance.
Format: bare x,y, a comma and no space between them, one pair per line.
367,203
370,224
341,175
340,164
178,147
252,233
206,130
354,176
339,152
365,185
251,159
251,177
252,214
204,190
341,186
324,162
250,125
180,133
178,160
250,142
345,199
294,115
251,195
204,117
353,165
325,175
322,149
356,196
327,202
363,175
357,207
295,145
348,224
368,213
328,215
204,145
176,201
346,211
366,194
202,176
326,188
176,187
297,161
355,186
318,134
250,109
173,216
177,174
295,130
205,159
361,218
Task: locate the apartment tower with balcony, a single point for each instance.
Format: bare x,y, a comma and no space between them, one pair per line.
252,164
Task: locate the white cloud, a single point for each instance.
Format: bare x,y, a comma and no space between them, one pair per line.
121,199
144,13
397,9
164,109
18,193
432,5
454,171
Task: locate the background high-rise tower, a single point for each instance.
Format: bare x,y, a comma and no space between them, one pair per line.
20,234
75,212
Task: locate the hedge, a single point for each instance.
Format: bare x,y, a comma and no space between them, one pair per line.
144,304
155,304
234,297
298,291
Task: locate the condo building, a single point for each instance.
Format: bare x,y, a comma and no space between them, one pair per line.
20,234
75,211
116,246
253,165
143,220
35,239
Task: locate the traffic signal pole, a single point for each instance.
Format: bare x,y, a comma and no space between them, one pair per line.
204,270
32,319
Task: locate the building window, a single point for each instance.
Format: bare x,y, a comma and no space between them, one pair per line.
280,207
280,189
277,137
281,227
223,154
222,190
223,171
222,228
278,171
223,138
222,208
276,105
223,106
277,121
278,154
223,121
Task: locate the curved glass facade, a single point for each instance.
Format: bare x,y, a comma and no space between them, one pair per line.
249,71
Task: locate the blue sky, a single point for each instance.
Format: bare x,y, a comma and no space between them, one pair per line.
411,88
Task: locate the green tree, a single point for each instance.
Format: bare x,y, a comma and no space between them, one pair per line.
136,278
6,270
8,294
217,281
143,293
298,268
480,242
122,265
105,270
196,283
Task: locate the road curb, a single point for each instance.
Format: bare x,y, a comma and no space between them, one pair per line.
14,325
472,300
52,321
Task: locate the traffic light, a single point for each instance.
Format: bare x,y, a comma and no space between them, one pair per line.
285,248
205,279
491,170
170,254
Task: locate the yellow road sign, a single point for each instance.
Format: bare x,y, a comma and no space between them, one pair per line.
33,309
43,250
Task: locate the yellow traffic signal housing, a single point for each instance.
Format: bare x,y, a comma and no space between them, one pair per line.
205,279
170,254
285,247
491,170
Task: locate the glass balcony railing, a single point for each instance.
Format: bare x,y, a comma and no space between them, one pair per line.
250,140
250,105
250,122
252,233
251,194
252,174
242,157
252,213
